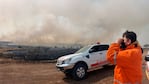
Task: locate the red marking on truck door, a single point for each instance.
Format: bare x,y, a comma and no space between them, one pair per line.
98,63
95,64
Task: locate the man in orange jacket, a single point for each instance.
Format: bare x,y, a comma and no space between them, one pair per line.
126,54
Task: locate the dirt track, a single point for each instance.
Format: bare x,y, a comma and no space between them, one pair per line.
12,72
19,72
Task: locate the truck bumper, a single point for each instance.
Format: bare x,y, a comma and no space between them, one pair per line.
64,67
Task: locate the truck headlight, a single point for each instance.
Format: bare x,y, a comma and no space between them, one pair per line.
66,61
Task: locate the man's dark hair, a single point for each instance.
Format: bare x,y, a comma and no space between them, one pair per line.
130,35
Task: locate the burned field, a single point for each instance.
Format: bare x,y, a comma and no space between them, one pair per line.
35,52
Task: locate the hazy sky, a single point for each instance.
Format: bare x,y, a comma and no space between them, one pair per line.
72,21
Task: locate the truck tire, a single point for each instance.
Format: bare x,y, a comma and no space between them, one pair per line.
79,72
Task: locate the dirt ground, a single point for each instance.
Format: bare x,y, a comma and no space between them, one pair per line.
19,72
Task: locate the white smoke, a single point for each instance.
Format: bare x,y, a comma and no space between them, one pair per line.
72,21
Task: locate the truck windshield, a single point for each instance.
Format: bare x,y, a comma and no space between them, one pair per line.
83,49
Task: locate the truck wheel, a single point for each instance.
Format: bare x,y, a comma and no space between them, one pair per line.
79,72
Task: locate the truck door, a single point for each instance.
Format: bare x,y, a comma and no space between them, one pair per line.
103,50
94,56
98,55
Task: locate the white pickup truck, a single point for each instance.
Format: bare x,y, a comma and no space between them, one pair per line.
88,58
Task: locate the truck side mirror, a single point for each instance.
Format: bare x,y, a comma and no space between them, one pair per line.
91,50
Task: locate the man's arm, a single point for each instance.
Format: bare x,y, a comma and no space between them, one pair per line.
112,52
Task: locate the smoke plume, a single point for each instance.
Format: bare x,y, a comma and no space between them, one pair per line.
72,21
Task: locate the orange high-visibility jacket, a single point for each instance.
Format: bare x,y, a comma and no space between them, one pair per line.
128,69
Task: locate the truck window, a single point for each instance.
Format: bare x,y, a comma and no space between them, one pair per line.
103,47
99,48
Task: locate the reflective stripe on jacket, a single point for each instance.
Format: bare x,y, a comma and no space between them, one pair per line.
128,69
